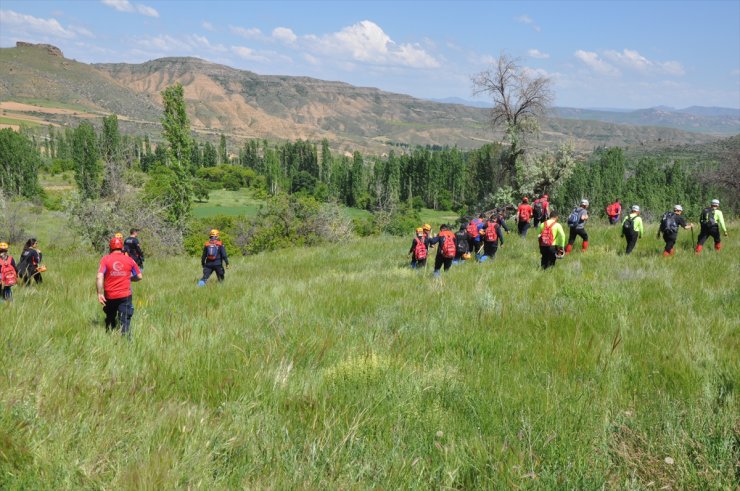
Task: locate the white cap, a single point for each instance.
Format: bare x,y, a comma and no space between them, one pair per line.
584,202
715,202
678,208
635,208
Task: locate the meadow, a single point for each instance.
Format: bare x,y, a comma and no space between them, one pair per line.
339,367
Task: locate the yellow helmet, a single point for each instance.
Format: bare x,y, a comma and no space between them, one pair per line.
3,246
118,235
427,227
466,256
419,230
214,233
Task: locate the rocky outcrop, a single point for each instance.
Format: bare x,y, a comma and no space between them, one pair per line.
52,50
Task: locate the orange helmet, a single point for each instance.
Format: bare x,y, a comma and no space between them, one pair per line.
116,243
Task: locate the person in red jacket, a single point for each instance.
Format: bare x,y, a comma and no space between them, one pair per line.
419,250
446,251
113,282
8,272
524,217
614,211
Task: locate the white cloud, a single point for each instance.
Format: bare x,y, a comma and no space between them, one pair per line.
207,25
535,53
163,43
735,72
525,19
251,33
366,42
633,60
28,26
126,6
248,54
592,60
202,42
82,31
284,34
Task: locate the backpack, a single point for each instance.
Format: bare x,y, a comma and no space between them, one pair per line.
629,224
611,210
547,238
574,218
7,273
491,235
668,223
212,250
448,246
473,229
539,210
462,242
420,250
707,218
524,214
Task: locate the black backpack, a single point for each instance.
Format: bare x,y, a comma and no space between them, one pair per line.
538,210
462,242
707,218
629,224
668,223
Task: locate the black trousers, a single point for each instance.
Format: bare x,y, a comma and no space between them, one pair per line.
219,270
440,261
118,311
490,249
705,233
36,276
580,232
523,227
418,263
631,239
548,256
670,241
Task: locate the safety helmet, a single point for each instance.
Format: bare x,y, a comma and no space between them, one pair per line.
3,246
118,235
419,230
427,227
213,233
715,202
635,208
525,200
116,243
584,202
678,208
466,256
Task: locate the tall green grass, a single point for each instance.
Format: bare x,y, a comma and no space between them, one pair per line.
339,367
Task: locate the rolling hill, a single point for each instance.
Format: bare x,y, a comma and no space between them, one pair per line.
243,104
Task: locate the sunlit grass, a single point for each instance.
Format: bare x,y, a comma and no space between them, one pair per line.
339,367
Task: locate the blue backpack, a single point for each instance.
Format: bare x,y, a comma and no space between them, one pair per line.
574,218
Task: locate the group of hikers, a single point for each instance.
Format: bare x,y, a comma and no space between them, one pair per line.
29,267
480,237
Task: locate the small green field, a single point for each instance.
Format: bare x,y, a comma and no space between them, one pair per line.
338,367
230,203
19,122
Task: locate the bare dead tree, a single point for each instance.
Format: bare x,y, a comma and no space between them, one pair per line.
520,98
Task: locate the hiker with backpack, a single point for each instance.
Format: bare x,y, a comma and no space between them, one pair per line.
113,282
577,225
551,241
473,229
463,247
418,250
614,211
541,209
213,259
427,234
711,221
632,228
8,272
132,248
669,228
446,251
492,236
523,217
30,266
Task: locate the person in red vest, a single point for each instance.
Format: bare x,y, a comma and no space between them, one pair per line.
446,251
541,209
523,217
492,237
419,250
614,211
8,272
113,282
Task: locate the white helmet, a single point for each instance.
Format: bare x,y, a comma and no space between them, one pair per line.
678,208
715,202
635,208
584,202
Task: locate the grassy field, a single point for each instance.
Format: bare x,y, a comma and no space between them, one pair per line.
339,367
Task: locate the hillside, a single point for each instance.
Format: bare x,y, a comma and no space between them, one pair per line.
242,104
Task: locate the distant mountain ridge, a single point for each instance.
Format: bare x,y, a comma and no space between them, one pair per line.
242,104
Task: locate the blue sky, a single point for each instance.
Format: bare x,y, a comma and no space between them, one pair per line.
628,54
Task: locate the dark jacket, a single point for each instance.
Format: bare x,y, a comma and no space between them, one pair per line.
220,256
133,250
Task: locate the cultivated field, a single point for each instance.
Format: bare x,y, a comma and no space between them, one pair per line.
339,367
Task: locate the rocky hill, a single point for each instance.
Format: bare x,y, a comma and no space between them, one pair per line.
242,104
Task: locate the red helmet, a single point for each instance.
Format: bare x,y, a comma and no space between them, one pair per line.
116,243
